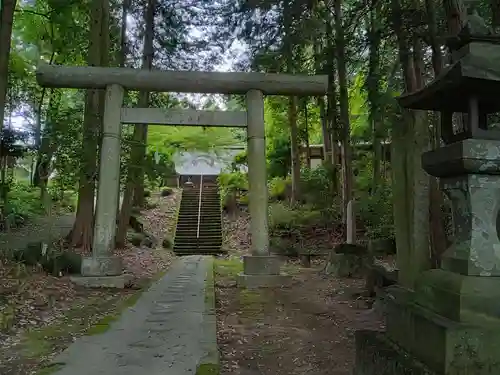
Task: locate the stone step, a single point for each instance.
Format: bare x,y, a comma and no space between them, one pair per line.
193,241
205,252
201,240
199,251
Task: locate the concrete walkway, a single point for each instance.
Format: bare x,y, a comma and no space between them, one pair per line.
170,330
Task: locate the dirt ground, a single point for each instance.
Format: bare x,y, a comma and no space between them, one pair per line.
307,328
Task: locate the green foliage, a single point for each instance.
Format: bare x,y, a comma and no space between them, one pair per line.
156,172
239,161
376,213
317,187
24,203
232,184
278,188
279,157
284,218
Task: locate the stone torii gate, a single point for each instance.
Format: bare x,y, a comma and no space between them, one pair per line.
260,269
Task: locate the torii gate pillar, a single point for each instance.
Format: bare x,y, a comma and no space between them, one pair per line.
259,269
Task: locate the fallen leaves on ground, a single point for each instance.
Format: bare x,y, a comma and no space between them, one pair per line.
235,232
307,328
30,299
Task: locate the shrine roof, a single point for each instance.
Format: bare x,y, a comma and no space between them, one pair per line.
476,73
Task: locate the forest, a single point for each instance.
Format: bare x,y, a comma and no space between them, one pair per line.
371,50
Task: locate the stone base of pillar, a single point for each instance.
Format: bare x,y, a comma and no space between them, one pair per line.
117,282
102,272
445,346
261,271
102,266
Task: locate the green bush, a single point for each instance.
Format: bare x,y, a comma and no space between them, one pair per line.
23,204
376,213
278,188
232,184
316,187
147,193
281,246
136,238
284,218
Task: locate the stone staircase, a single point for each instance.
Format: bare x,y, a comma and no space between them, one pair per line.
199,224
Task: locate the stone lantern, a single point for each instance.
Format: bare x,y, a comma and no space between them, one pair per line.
450,323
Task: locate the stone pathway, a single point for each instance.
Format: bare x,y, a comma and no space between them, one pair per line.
170,330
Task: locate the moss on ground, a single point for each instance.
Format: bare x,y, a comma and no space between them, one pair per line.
230,267
78,320
208,369
209,287
50,369
251,301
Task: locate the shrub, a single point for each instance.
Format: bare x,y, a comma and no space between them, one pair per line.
232,184
23,204
283,217
279,188
136,239
316,187
283,247
167,243
147,193
166,192
376,213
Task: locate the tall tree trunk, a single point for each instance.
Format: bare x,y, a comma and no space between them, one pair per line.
421,244
122,60
327,144
373,83
320,69
82,232
47,147
495,14
455,15
306,133
135,170
292,105
402,139
410,182
332,109
436,217
294,146
147,63
347,178
7,8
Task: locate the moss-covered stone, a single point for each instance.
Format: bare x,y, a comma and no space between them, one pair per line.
349,248
136,238
135,223
376,355
62,263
